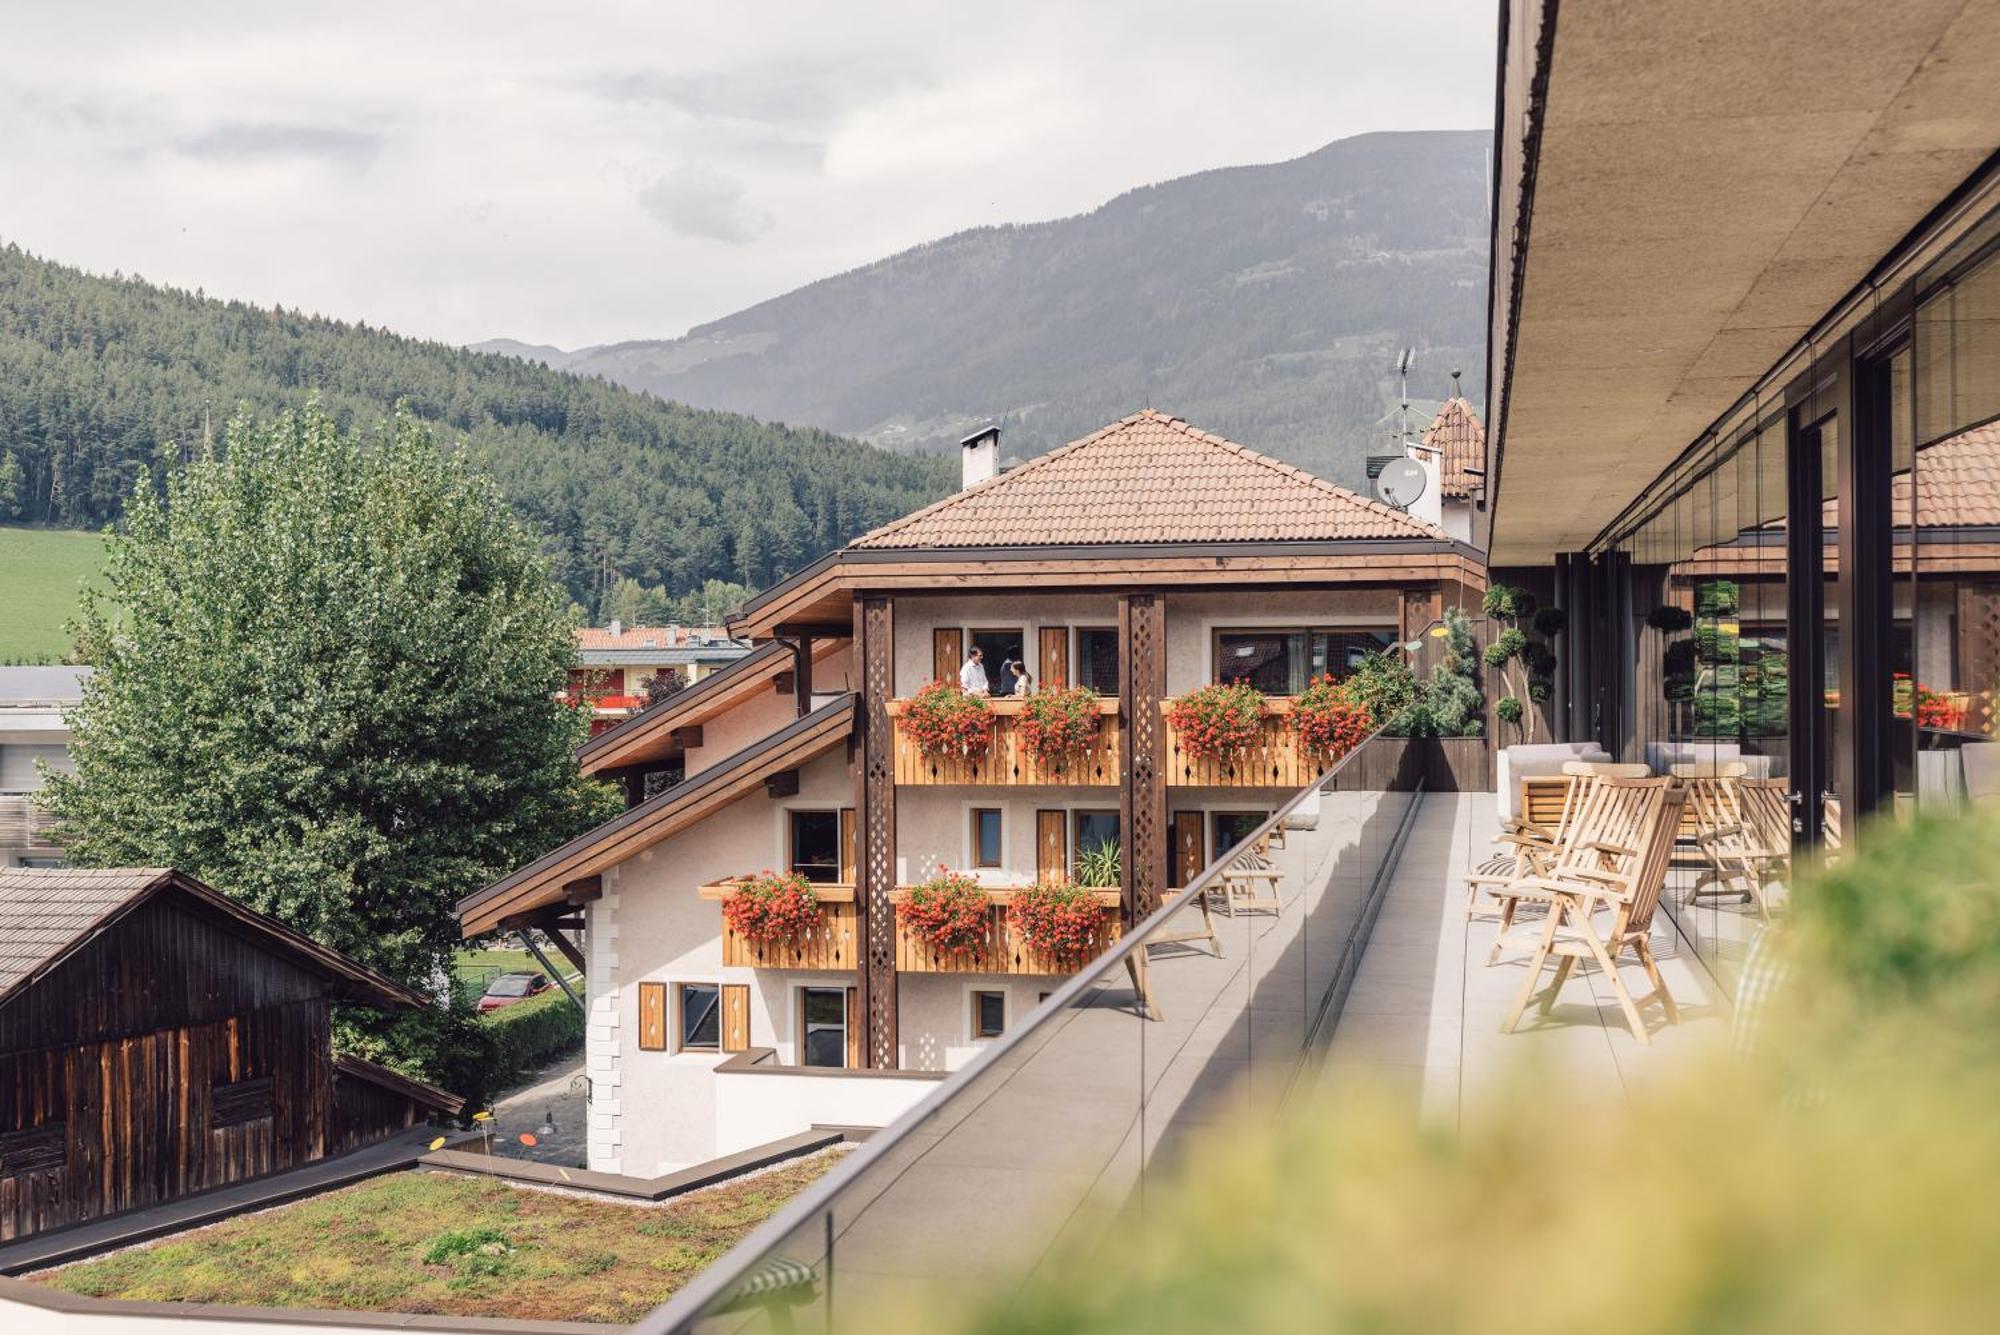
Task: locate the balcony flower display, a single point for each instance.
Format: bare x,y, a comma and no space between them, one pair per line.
1058,724
1934,709
1059,918
944,721
949,912
1218,721
773,909
1327,722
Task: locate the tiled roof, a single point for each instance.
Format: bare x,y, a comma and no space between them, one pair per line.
1457,432
43,911
646,637
1148,479
1958,482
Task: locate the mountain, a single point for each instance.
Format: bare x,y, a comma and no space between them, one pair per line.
104,381
1265,303
553,358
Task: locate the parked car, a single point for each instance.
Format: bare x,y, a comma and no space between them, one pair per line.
509,988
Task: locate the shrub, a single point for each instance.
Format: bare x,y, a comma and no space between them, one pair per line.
944,721
1059,918
1328,723
1508,709
1383,684
1059,724
1218,720
1099,865
948,912
1669,618
772,909
531,1034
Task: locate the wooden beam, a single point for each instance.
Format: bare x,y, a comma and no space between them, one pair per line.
813,630
1142,798
564,944
802,674
875,851
782,683
583,890
785,783
685,737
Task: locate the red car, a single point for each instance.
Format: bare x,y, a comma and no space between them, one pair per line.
509,988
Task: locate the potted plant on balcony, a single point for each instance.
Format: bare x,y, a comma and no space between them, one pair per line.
1059,724
944,721
1217,721
1327,722
773,909
949,912
1058,918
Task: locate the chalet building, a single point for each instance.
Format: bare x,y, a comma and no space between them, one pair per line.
157,1039
618,664
1143,561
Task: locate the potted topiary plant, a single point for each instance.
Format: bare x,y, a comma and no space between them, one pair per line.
948,912
944,721
1218,721
1059,724
1058,918
773,909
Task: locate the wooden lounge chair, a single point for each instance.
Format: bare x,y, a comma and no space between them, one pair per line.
1732,844
1599,914
1539,852
1767,809
1250,882
1527,845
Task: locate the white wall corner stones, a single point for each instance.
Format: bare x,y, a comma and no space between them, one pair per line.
601,1033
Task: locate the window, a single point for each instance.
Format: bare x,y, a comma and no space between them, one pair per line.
816,845
995,648
988,850
700,1017
1091,829
989,1014
1283,661
823,1026
1097,659
1227,829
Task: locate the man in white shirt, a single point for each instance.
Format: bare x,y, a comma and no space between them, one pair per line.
972,677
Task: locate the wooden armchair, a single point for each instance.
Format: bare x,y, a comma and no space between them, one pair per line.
1531,849
1628,887
1733,844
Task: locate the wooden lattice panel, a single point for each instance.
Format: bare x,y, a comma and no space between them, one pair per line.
1142,805
877,854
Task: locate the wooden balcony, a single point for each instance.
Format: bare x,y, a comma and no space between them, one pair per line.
1002,951
1276,761
834,944
1007,762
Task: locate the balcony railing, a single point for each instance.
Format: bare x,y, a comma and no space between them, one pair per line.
831,945
1003,950
1095,1093
1275,761
1007,761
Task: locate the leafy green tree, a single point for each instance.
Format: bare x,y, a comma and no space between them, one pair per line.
326,667
13,486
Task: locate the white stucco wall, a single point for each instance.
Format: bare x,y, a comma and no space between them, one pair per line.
934,1014
918,615
756,1107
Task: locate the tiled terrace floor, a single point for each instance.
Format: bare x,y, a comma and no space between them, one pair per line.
1425,1012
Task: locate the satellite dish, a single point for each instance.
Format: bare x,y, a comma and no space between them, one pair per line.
1401,482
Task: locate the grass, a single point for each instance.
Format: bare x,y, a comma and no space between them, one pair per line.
449,1245
46,568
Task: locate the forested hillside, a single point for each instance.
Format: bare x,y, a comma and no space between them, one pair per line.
1265,303
104,380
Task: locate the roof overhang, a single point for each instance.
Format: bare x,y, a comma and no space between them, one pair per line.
652,737
823,593
543,883
1682,192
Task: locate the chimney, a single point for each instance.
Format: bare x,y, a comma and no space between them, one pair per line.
673,634
979,459
617,627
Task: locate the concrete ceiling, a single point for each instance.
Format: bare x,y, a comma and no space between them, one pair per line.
1713,176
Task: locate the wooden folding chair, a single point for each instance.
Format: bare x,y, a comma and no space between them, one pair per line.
1767,810
1629,888
1730,842
1527,845
1250,881
1539,852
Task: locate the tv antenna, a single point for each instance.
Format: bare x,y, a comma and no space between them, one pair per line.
1404,361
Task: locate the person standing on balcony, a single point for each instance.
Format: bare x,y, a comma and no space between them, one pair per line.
1023,683
972,677
1008,676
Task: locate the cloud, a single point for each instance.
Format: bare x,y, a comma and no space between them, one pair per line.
697,200
246,141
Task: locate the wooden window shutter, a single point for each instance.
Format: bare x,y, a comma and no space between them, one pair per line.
1188,853
854,1028
1055,658
1051,846
947,652
652,1017
847,845
735,1017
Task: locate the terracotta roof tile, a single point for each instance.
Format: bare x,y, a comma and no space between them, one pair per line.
1148,479
1458,433
1958,482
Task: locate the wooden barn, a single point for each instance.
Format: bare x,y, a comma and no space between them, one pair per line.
158,1039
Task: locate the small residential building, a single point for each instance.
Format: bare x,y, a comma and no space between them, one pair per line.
619,662
1454,444
1143,561
33,733
158,1039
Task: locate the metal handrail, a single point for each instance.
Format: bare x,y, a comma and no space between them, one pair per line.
712,1284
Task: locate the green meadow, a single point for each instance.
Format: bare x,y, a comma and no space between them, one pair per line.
42,572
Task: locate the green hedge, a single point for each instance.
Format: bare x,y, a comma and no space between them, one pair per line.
533,1033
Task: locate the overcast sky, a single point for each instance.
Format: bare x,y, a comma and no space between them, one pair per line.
584,173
